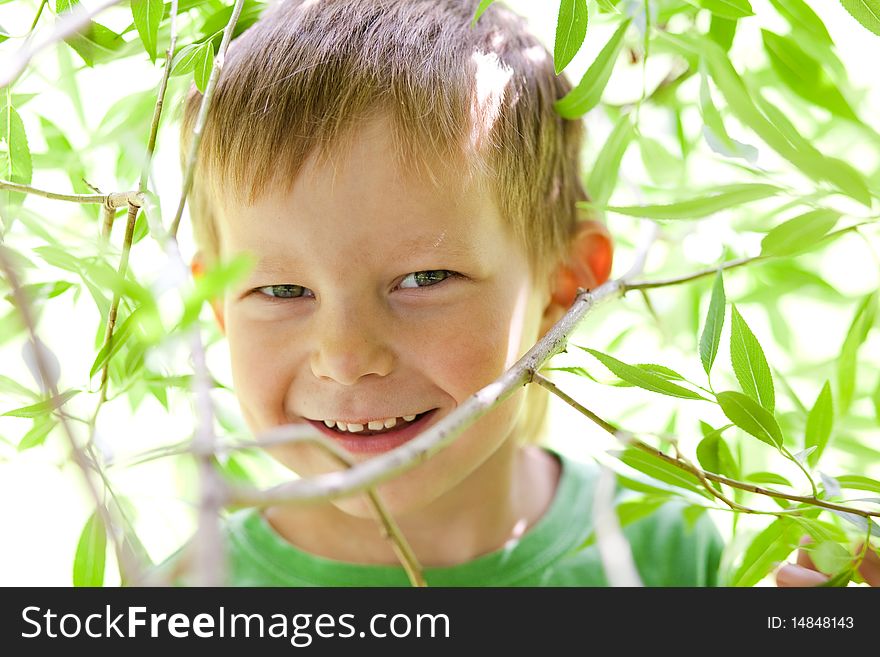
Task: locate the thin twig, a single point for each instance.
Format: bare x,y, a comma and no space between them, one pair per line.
131,570
714,492
78,18
630,439
202,117
109,214
160,99
691,277
210,559
114,200
117,295
614,549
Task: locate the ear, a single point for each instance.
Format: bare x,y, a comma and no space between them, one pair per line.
588,265
198,267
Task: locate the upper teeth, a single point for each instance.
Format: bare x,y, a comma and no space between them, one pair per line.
375,425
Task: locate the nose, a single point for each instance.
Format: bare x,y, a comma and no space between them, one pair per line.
350,343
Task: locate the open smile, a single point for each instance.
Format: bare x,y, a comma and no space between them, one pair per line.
369,441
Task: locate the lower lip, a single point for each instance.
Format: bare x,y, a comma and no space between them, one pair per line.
382,442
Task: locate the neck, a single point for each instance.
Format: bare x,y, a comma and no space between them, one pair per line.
468,521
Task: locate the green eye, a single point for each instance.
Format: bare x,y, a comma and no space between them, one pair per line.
427,278
283,291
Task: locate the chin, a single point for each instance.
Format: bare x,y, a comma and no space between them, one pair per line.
402,496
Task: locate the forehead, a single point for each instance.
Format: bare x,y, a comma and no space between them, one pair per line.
362,196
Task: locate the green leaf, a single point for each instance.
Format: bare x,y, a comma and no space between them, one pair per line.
185,59
663,167
767,549
203,64
481,9
44,407
642,378
749,416
606,171
213,283
813,163
43,426
791,145
15,162
800,233
608,6
768,478
120,336
714,454
847,360
859,482
715,133
841,579
820,530
587,94
830,556
722,31
749,363
711,337
726,8
147,15
571,29
152,211
69,161
652,368
866,12
662,471
800,16
858,521
661,370
875,398
233,470
96,44
715,200
91,552
12,387
819,423
38,292
804,75
629,511
692,513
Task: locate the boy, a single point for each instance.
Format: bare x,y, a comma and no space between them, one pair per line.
409,195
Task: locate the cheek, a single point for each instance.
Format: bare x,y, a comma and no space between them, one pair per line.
474,344
259,371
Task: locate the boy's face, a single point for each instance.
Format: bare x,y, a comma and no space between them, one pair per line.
362,337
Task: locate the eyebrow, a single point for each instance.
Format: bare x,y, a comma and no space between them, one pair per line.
272,262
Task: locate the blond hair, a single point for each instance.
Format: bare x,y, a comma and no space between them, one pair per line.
299,80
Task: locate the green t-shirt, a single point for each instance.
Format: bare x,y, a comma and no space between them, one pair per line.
667,551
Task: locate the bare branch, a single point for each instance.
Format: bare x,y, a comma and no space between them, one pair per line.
114,200
130,568
160,98
692,277
202,117
685,465
73,22
114,307
614,550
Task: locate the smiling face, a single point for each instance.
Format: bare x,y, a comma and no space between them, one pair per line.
378,295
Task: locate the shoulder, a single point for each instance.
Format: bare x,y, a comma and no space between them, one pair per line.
673,547
239,533
672,542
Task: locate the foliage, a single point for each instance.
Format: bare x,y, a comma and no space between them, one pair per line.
742,131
